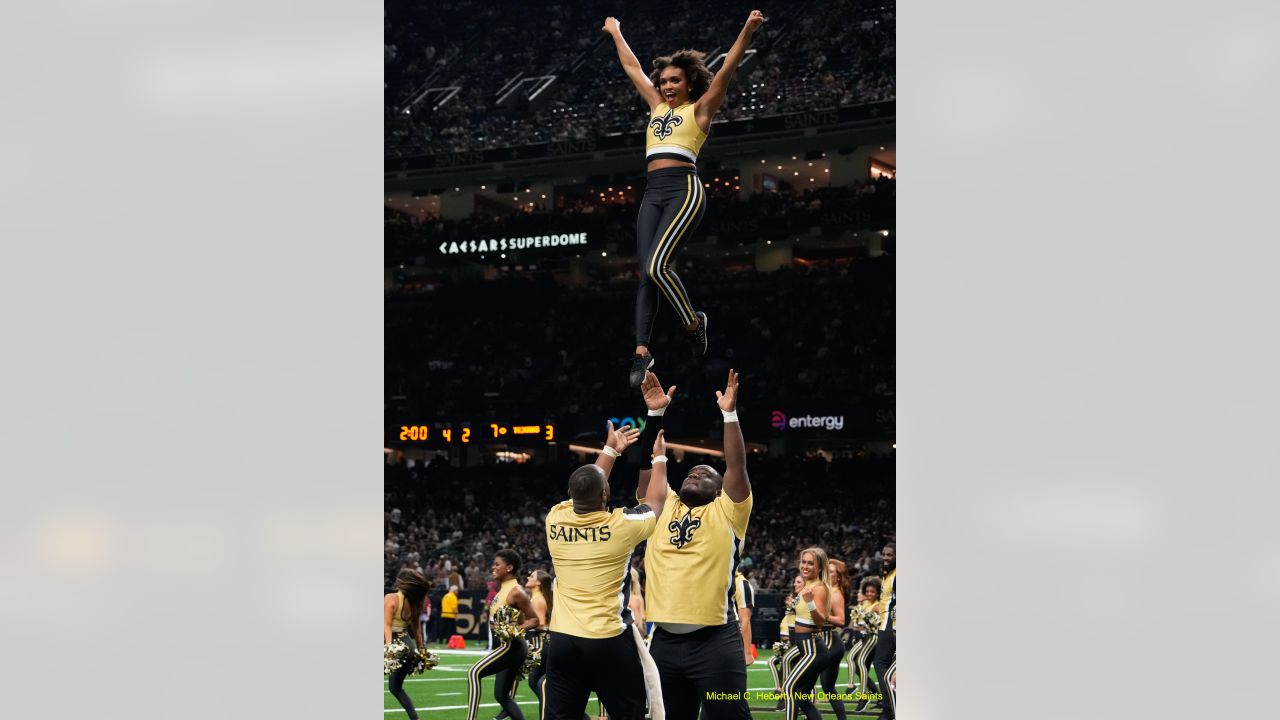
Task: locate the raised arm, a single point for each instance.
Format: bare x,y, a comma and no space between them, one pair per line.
655,495
631,65
656,401
710,102
615,442
736,484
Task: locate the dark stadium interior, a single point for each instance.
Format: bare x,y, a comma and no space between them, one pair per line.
490,142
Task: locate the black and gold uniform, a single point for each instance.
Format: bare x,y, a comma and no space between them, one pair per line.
672,207
886,645
503,661
861,653
591,646
537,638
835,651
776,668
804,661
400,631
690,563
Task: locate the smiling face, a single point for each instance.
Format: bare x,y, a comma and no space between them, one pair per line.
532,583
500,568
673,86
808,567
797,585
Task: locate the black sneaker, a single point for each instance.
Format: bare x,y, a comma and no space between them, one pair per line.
639,365
698,338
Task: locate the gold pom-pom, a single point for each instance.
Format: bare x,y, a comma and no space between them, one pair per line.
505,623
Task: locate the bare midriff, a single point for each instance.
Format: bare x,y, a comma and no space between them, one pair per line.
668,163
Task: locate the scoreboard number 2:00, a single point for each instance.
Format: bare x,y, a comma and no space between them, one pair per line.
423,432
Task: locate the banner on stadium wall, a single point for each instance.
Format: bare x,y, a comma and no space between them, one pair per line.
469,247
470,609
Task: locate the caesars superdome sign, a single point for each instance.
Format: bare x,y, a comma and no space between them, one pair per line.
520,243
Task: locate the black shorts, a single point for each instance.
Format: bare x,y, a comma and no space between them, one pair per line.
576,666
702,668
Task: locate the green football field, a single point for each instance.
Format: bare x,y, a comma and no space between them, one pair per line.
441,693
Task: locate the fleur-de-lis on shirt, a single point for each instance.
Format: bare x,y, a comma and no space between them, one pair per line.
683,529
665,125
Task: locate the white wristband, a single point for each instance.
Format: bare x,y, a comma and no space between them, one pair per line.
658,412
611,452
813,605
659,459
731,416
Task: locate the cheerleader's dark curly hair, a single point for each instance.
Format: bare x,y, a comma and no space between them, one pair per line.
694,65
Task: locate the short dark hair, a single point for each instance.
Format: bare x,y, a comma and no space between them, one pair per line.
510,557
586,483
714,473
694,65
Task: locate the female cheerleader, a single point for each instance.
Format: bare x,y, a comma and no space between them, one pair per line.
864,647
400,611
808,650
542,598
683,99
776,667
506,659
838,579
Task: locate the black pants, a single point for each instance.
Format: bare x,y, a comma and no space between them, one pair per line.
860,656
576,666
831,670
448,628
396,683
886,647
691,665
673,205
807,655
503,661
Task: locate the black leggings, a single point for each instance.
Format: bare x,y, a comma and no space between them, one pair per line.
835,656
673,205
396,683
503,661
805,661
886,656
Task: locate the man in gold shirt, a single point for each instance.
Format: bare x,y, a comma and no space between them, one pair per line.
690,563
591,644
449,613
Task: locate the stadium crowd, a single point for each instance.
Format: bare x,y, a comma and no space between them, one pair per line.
808,57
436,513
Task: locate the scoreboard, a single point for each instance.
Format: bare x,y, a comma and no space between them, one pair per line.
445,434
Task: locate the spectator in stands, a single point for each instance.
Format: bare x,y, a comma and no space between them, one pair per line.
449,614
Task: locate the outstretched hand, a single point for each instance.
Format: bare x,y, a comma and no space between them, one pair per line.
728,398
755,20
611,25
651,388
659,444
622,438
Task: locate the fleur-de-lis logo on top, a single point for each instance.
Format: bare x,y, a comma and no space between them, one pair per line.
665,125
683,529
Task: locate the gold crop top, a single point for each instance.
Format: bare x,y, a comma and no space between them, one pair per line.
673,134
804,617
